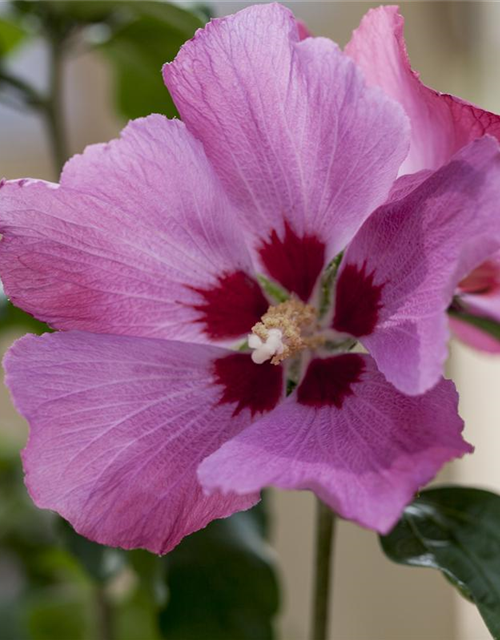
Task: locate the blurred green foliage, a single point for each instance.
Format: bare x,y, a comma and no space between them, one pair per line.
11,36
218,584
136,36
138,50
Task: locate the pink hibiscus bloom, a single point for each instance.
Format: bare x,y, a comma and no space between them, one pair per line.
441,124
145,426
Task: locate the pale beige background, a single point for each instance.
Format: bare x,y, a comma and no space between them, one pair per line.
456,46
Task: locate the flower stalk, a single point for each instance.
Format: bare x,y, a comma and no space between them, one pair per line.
325,534
105,626
54,112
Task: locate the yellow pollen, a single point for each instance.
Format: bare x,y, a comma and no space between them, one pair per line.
297,323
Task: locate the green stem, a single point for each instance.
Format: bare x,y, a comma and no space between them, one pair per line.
54,112
325,532
105,626
327,281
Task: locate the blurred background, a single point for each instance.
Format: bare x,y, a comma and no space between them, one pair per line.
47,594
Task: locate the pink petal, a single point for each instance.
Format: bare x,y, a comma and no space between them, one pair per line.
118,426
304,149
484,278
441,124
479,292
349,436
486,305
400,273
474,337
138,239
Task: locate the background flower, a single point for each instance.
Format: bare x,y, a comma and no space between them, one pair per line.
441,124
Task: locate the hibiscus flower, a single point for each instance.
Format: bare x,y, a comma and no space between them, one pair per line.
161,403
441,124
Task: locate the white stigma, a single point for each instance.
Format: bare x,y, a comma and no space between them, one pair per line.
263,351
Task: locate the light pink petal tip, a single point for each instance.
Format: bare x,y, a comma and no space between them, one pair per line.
400,273
364,448
119,425
138,239
304,149
479,292
441,124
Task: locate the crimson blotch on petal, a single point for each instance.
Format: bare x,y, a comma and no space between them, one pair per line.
295,262
357,301
329,381
232,306
247,385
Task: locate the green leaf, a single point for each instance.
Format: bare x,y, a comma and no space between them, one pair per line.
139,48
490,327
455,530
222,583
11,36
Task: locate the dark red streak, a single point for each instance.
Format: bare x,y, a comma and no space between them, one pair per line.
293,261
231,308
357,302
257,387
330,381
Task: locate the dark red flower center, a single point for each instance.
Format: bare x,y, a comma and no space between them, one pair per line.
293,261
330,381
232,307
357,302
257,387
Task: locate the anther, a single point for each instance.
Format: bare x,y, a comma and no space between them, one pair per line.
283,330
